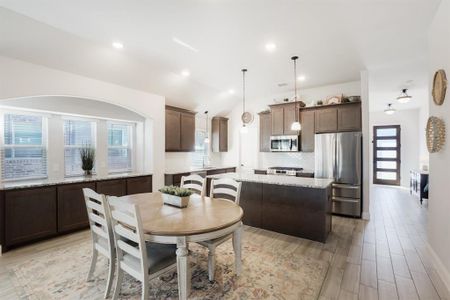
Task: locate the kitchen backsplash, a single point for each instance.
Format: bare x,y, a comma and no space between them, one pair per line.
303,160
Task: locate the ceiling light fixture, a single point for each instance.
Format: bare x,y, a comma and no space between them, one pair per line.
117,45
301,78
296,124
404,97
185,73
244,129
390,110
206,141
271,47
184,44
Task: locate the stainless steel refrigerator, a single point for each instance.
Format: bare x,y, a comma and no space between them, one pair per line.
339,156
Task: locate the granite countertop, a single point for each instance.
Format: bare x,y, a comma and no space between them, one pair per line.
188,170
316,183
13,185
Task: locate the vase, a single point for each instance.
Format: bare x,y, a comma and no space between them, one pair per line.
87,173
175,200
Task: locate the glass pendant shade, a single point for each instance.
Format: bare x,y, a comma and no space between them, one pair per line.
404,97
296,126
244,129
389,110
206,141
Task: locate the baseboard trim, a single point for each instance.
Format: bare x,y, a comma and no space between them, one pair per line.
366,215
439,266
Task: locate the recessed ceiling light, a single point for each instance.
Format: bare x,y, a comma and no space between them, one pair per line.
185,73
301,78
117,45
231,91
271,47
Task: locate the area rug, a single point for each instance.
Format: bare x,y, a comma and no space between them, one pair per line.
266,274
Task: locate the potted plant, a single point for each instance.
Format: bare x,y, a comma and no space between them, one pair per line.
87,155
175,196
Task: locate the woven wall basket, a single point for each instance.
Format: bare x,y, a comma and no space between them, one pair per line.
435,134
439,87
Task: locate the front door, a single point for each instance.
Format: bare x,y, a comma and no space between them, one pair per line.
386,154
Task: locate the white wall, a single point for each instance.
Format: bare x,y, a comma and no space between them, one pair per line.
410,148
439,203
22,79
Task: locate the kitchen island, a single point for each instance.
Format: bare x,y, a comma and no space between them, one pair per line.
291,205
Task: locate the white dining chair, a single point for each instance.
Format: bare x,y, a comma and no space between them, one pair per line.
231,189
102,234
143,261
195,183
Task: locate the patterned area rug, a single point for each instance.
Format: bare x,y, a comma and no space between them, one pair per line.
266,274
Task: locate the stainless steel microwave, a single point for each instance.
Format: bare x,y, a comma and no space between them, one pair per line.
284,143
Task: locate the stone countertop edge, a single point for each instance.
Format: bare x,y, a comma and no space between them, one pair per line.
181,171
317,183
16,185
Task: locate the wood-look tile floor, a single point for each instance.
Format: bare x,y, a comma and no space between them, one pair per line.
384,258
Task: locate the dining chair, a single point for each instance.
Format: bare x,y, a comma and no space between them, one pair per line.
195,183
231,189
143,261
102,234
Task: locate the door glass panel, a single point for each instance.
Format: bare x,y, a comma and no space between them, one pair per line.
387,175
386,132
387,165
386,143
387,154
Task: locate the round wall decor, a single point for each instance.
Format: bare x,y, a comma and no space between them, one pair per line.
435,134
439,87
247,117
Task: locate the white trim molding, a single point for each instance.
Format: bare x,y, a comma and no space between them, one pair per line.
366,215
443,273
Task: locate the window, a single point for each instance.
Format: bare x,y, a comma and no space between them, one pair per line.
24,154
200,156
119,147
77,133
386,155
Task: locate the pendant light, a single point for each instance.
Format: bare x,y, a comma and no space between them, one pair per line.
404,97
296,124
389,110
244,128
206,141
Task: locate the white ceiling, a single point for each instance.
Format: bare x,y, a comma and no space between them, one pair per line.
335,40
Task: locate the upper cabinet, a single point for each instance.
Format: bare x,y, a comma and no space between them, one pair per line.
338,118
180,130
265,131
283,115
219,134
349,117
326,120
308,130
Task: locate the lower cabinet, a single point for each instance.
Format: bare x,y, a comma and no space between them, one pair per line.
72,213
30,214
115,187
139,185
251,203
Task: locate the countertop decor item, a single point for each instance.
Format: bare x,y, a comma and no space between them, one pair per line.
435,134
439,87
354,98
175,196
87,155
404,97
333,100
296,124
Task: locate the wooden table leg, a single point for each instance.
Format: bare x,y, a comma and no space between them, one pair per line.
183,269
237,247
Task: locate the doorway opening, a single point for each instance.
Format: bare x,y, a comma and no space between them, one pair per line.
386,154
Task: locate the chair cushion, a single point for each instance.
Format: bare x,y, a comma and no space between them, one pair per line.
159,256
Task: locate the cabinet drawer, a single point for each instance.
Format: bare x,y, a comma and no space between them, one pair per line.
115,187
139,185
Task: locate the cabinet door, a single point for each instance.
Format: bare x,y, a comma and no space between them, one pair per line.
115,187
251,203
30,215
265,131
307,133
349,117
187,132
215,135
72,212
289,115
277,120
173,130
223,135
326,120
138,185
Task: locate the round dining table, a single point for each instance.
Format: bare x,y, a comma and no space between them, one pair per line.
203,219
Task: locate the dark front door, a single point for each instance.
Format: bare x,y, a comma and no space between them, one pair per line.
386,154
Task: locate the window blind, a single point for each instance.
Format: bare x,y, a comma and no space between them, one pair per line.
77,133
24,153
119,147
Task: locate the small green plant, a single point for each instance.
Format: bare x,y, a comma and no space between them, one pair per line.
87,155
176,191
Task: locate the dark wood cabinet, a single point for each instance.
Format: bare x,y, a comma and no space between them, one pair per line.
307,118
72,212
265,131
30,214
138,185
219,129
180,130
251,203
289,117
326,120
349,117
277,120
115,187
283,115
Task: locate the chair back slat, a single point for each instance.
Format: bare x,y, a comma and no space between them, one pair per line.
126,233
124,218
95,207
128,249
98,219
226,186
194,182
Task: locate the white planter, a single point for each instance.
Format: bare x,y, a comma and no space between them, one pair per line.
175,200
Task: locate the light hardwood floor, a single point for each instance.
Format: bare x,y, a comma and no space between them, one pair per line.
384,258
